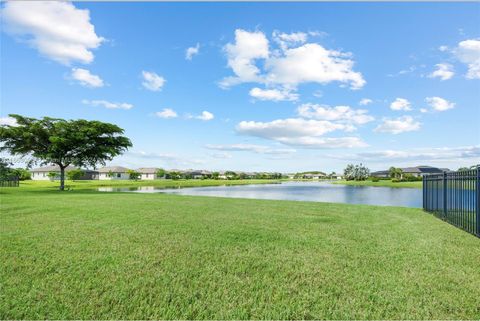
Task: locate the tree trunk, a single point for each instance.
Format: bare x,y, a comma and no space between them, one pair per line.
62,177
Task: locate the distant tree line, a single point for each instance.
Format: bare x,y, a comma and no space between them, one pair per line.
8,172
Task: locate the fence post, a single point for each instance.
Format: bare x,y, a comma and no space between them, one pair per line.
477,207
423,192
444,194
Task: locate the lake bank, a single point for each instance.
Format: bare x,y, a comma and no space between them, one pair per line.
160,183
381,183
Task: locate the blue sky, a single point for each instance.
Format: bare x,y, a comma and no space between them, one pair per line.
255,86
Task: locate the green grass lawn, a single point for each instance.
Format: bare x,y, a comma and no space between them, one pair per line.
384,183
90,255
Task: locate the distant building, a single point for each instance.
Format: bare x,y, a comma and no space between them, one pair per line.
41,173
314,175
148,173
113,173
416,171
423,170
380,174
198,174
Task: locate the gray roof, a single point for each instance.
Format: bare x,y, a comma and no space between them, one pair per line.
416,170
148,170
423,169
381,173
113,169
56,168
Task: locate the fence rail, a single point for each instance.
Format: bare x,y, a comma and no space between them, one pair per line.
454,197
10,182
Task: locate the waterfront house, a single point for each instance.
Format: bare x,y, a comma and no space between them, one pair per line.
314,175
148,173
42,173
113,173
416,171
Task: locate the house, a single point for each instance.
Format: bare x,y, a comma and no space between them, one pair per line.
380,174
334,175
416,171
148,173
42,173
113,173
198,174
222,175
423,170
314,175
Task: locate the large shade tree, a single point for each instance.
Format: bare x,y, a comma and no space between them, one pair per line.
63,142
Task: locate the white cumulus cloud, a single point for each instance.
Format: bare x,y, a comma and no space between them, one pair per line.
444,72
295,63
337,113
312,63
192,51
291,127
152,81
365,101
398,125
57,29
301,132
401,104
107,104
86,78
439,104
468,52
205,115
273,94
166,113
241,55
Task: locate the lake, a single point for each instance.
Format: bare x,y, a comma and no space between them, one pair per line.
298,191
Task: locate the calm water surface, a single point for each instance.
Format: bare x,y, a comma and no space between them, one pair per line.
298,191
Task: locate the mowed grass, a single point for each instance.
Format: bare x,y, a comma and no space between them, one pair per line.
89,255
383,183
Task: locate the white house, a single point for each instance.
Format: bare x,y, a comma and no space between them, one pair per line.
314,176
113,173
42,173
148,173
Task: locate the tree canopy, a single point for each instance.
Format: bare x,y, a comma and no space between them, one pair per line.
63,142
356,172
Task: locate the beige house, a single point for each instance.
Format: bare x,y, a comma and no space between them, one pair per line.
113,173
148,173
42,173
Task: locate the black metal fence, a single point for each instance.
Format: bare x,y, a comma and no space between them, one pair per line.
455,198
9,182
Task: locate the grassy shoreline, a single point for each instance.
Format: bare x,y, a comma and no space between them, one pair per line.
167,183
90,255
381,183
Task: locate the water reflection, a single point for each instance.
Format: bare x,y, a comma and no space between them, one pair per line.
298,191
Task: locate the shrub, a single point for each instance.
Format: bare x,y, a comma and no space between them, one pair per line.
22,174
375,179
134,175
75,174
